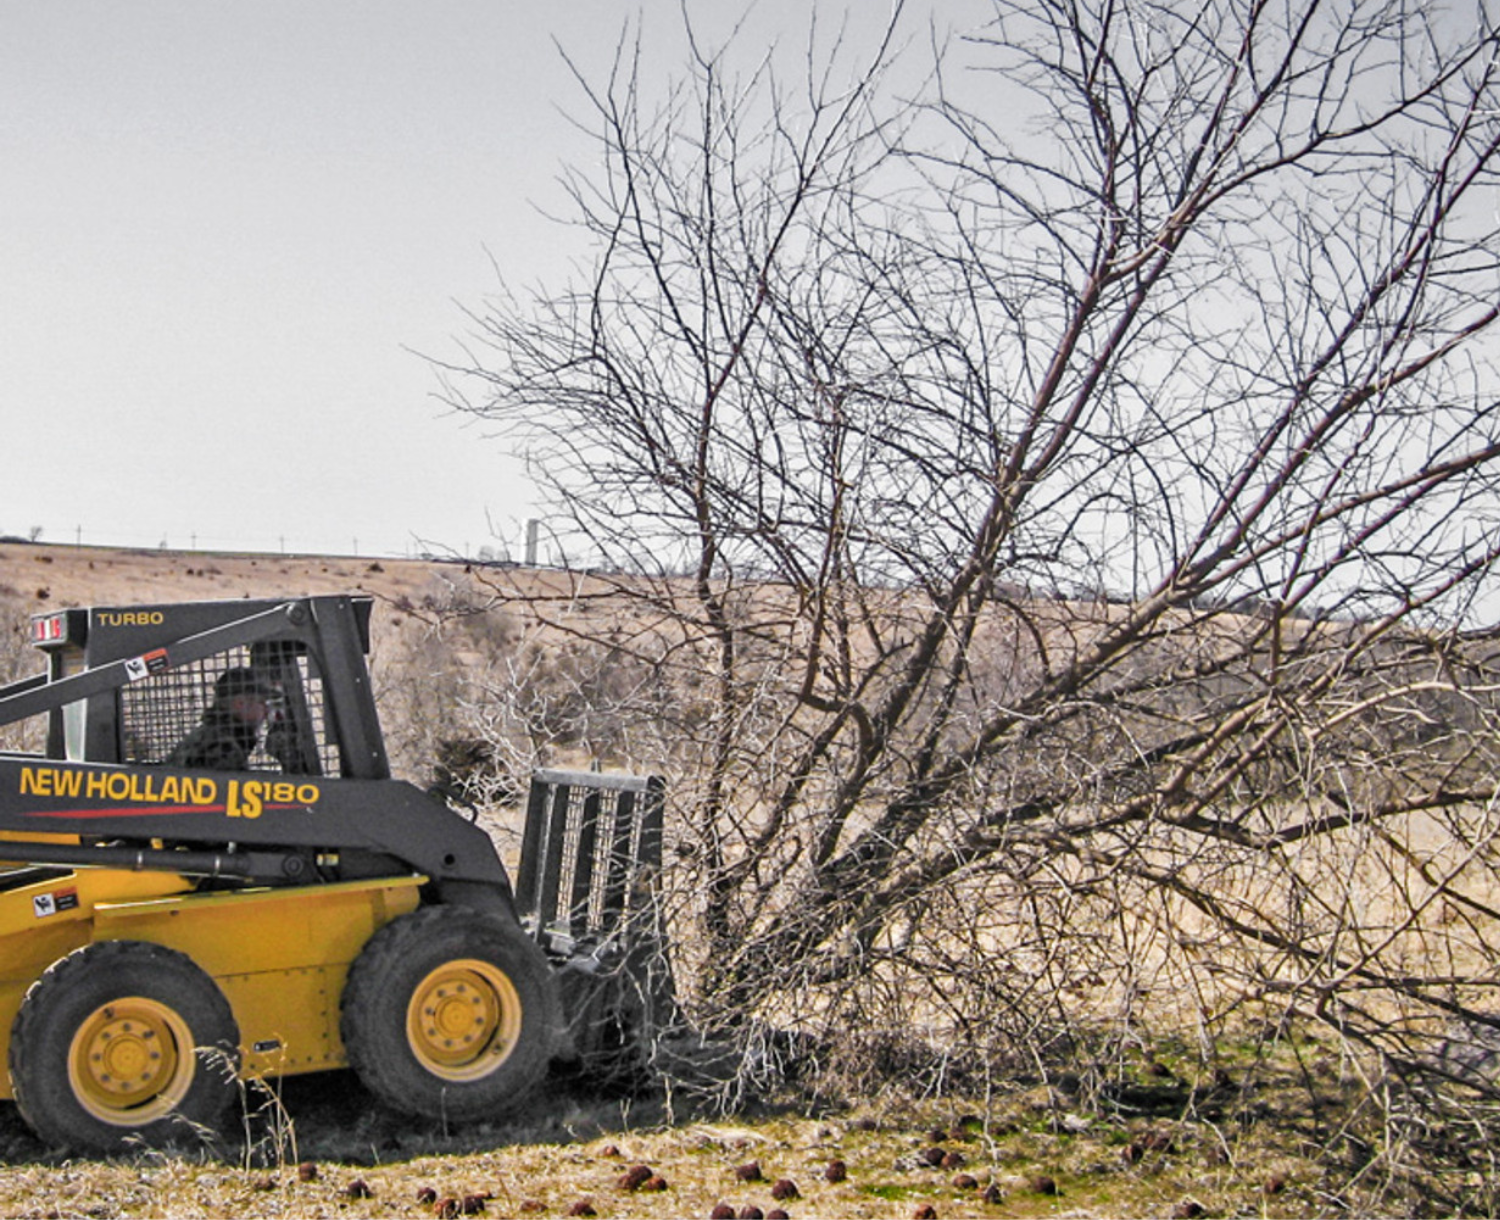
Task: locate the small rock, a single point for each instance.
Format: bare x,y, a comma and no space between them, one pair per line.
749,1173
634,1177
965,1181
358,1189
837,1171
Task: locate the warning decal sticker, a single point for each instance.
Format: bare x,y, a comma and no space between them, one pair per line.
144,666
44,905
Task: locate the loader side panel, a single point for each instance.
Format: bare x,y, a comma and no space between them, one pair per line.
280,956
48,918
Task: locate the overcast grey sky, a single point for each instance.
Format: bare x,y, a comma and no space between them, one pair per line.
225,224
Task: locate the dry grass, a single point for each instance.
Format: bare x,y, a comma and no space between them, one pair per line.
1165,1149
53,575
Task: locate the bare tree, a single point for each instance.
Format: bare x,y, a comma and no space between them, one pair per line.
1062,487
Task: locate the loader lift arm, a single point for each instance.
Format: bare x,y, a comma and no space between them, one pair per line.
262,827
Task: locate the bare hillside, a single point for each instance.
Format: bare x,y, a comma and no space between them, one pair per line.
39,576
35,578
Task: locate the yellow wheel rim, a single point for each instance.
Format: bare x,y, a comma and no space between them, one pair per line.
131,1062
463,1020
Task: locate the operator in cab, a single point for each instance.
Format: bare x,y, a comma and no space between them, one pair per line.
231,726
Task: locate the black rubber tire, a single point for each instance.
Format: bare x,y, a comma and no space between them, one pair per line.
124,1006
416,990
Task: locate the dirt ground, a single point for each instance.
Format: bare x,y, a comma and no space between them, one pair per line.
322,1148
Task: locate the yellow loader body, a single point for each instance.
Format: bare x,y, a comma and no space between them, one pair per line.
279,955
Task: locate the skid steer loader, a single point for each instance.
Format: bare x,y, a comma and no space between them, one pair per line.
210,874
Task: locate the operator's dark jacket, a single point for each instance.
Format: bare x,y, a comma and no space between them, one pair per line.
222,742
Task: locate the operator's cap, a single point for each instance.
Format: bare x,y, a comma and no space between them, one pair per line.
242,681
